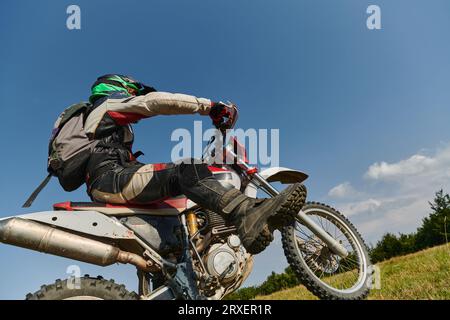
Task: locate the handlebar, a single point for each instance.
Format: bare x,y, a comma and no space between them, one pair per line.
231,121
226,125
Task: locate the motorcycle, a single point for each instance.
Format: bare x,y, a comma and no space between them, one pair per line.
182,251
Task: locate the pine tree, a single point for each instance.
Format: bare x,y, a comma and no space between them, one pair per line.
435,227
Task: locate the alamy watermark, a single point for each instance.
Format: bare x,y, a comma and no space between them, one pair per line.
374,280
73,21
74,279
373,22
254,146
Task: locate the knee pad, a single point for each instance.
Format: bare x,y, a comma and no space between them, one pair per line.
189,172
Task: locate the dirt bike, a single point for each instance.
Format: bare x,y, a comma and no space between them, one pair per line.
182,251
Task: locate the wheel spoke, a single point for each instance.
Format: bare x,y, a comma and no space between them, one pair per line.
320,221
335,231
340,273
310,238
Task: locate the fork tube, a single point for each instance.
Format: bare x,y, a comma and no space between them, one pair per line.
331,243
266,186
334,246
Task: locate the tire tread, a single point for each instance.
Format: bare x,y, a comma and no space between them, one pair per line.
296,262
98,285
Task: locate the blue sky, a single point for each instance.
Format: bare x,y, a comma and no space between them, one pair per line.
365,113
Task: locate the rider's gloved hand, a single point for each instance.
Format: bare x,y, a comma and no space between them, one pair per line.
219,112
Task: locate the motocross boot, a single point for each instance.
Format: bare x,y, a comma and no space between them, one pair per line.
256,219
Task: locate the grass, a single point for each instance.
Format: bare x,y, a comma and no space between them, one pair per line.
421,275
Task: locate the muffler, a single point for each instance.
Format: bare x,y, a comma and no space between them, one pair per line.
44,238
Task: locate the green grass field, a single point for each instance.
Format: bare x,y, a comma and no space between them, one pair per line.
421,275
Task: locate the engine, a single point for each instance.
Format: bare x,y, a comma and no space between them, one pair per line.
225,259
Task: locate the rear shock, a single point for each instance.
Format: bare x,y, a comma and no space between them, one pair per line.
192,223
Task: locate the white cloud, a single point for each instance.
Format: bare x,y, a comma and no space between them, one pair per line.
343,190
415,165
403,217
412,166
399,199
365,206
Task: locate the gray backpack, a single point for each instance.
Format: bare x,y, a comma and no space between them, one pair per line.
68,151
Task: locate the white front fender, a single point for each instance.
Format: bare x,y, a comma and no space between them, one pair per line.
283,175
277,174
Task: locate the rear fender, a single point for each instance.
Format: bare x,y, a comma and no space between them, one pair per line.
87,222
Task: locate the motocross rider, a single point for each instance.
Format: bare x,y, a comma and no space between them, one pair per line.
115,176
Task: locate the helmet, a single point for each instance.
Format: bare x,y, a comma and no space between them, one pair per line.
116,83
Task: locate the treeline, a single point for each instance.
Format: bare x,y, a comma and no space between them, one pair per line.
275,282
433,231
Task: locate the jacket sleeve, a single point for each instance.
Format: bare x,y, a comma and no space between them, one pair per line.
130,110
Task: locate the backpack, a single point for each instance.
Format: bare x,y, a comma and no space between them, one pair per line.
69,150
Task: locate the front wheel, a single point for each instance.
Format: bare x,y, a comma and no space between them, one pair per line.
86,288
325,274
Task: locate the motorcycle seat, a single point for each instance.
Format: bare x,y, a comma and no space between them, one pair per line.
171,206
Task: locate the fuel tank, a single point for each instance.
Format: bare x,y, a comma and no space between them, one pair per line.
227,178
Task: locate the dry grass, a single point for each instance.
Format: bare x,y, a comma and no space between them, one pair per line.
421,275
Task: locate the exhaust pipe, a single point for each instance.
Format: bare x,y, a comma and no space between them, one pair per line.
40,237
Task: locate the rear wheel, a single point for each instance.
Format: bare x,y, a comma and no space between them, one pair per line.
87,288
324,273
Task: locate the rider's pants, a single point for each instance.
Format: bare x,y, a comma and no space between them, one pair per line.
142,184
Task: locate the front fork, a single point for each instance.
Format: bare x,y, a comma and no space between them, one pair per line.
334,245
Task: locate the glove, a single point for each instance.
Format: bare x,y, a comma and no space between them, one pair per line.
219,111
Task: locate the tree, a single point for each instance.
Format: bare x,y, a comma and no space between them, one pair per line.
389,246
435,227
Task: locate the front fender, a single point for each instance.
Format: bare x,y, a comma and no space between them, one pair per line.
277,174
283,175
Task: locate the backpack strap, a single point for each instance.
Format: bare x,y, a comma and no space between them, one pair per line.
36,192
73,110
